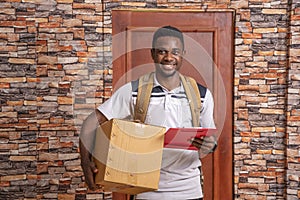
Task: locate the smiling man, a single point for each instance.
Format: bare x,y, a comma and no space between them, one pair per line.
169,106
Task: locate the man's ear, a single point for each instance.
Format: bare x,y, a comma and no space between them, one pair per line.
153,53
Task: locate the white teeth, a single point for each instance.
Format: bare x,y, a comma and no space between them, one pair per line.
168,66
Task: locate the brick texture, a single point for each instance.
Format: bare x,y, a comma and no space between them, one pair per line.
55,68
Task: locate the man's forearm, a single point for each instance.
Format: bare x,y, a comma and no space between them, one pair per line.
86,145
88,132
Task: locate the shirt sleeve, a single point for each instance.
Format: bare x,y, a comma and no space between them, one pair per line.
119,105
207,111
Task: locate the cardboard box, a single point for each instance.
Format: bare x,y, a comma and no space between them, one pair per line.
128,156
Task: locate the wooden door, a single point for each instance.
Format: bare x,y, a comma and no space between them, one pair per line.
209,59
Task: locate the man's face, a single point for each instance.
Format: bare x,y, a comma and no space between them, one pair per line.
167,55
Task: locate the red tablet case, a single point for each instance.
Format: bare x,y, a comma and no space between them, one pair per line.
179,138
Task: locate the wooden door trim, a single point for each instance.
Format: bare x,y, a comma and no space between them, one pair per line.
222,182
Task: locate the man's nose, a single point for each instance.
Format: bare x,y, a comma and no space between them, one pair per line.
169,56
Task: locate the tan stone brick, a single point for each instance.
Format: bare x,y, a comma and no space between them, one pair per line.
280,53
68,156
295,77
245,15
242,151
22,158
250,134
257,64
263,129
84,5
65,100
248,87
8,11
49,25
265,53
13,178
295,112
262,151
271,111
9,146
248,41
78,72
278,152
256,180
67,60
66,196
21,61
282,30
72,22
263,174
4,85
47,156
263,187
42,121
274,11
236,81
264,76
42,59
9,114
15,103
295,39
243,53
103,30
255,99
8,48
4,183
133,4
256,162
78,33
294,52
64,1
90,18
29,103
242,113
251,35
248,185
265,30
264,88
246,139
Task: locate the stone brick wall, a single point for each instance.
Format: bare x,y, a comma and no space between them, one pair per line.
55,67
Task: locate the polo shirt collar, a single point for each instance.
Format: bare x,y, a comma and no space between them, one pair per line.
157,84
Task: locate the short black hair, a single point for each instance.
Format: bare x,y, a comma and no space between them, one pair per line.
167,31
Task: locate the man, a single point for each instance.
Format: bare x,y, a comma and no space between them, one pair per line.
168,107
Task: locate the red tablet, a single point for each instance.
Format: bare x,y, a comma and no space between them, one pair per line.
179,138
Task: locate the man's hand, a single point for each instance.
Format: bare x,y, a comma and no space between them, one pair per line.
205,145
88,167
86,146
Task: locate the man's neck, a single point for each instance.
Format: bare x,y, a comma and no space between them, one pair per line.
170,82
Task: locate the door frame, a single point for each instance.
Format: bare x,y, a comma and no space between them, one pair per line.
219,183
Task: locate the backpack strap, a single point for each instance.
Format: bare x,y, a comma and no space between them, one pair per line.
145,86
193,94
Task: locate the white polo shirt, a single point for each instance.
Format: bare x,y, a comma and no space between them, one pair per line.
180,176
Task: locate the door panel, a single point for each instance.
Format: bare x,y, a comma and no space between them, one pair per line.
209,59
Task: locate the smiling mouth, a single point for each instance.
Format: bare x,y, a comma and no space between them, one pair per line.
168,66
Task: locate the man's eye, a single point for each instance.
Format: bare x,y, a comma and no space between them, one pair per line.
176,53
162,52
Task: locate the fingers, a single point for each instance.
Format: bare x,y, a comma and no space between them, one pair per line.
93,167
206,144
89,170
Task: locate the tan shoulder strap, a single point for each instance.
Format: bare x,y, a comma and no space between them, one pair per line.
143,97
194,97
144,93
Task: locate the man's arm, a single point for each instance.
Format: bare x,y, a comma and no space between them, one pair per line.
86,146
